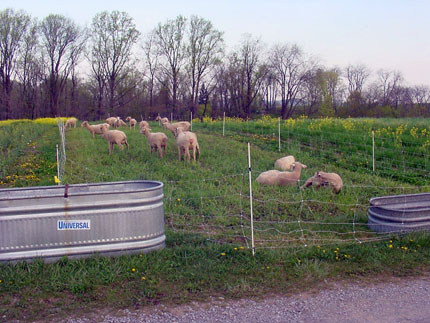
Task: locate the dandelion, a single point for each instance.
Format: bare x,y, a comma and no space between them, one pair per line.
223,254
56,180
179,200
0,281
235,249
143,277
133,269
390,246
241,248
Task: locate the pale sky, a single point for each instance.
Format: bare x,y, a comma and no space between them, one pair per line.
387,34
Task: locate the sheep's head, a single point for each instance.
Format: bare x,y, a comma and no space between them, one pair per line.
158,118
298,164
178,131
145,130
128,119
83,124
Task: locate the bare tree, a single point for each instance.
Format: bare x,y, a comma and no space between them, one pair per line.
113,36
204,48
389,85
13,26
171,47
60,37
151,64
357,76
290,69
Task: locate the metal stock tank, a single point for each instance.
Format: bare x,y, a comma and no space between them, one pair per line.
79,220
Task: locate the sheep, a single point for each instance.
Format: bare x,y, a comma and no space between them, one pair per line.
285,163
325,179
143,124
156,140
114,137
94,129
132,122
161,120
119,123
111,121
185,125
276,177
70,122
186,140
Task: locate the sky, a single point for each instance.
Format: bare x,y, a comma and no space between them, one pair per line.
381,34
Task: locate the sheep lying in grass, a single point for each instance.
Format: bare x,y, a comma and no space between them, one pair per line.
185,125
325,179
276,177
132,122
70,122
284,163
161,120
156,140
114,137
110,121
143,124
186,140
94,129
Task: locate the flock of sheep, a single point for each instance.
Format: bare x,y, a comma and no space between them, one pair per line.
186,140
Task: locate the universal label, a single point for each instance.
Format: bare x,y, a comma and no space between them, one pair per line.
74,225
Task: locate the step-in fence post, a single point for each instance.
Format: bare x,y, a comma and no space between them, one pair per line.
279,134
250,199
373,149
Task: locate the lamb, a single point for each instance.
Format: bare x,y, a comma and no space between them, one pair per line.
111,121
185,125
161,120
70,122
285,163
114,137
276,177
143,124
325,179
156,140
94,129
186,140
132,122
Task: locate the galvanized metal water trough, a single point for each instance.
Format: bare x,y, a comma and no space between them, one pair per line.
79,220
400,213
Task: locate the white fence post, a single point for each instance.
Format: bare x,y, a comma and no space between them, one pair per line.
58,164
223,125
250,200
373,149
279,134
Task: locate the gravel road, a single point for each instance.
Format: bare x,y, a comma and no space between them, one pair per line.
399,300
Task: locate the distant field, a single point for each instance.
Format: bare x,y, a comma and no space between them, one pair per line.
309,233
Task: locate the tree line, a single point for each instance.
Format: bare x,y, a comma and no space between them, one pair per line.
54,67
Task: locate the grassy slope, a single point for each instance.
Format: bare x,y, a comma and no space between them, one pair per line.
194,266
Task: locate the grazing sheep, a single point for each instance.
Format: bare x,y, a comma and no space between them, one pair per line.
114,137
284,163
70,122
186,140
94,129
119,123
276,177
143,124
325,179
161,120
185,125
156,140
110,121
132,122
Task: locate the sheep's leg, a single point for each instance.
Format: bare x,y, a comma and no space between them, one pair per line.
128,147
179,153
110,148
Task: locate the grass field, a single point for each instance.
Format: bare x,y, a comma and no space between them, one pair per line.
302,237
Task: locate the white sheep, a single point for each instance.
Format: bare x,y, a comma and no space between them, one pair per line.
110,121
114,137
70,122
325,179
161,120
186,140
132,122
143,124
156,140
276,177
185,125
94,129
285,163
119,123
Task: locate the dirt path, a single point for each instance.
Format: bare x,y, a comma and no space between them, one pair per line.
398,300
